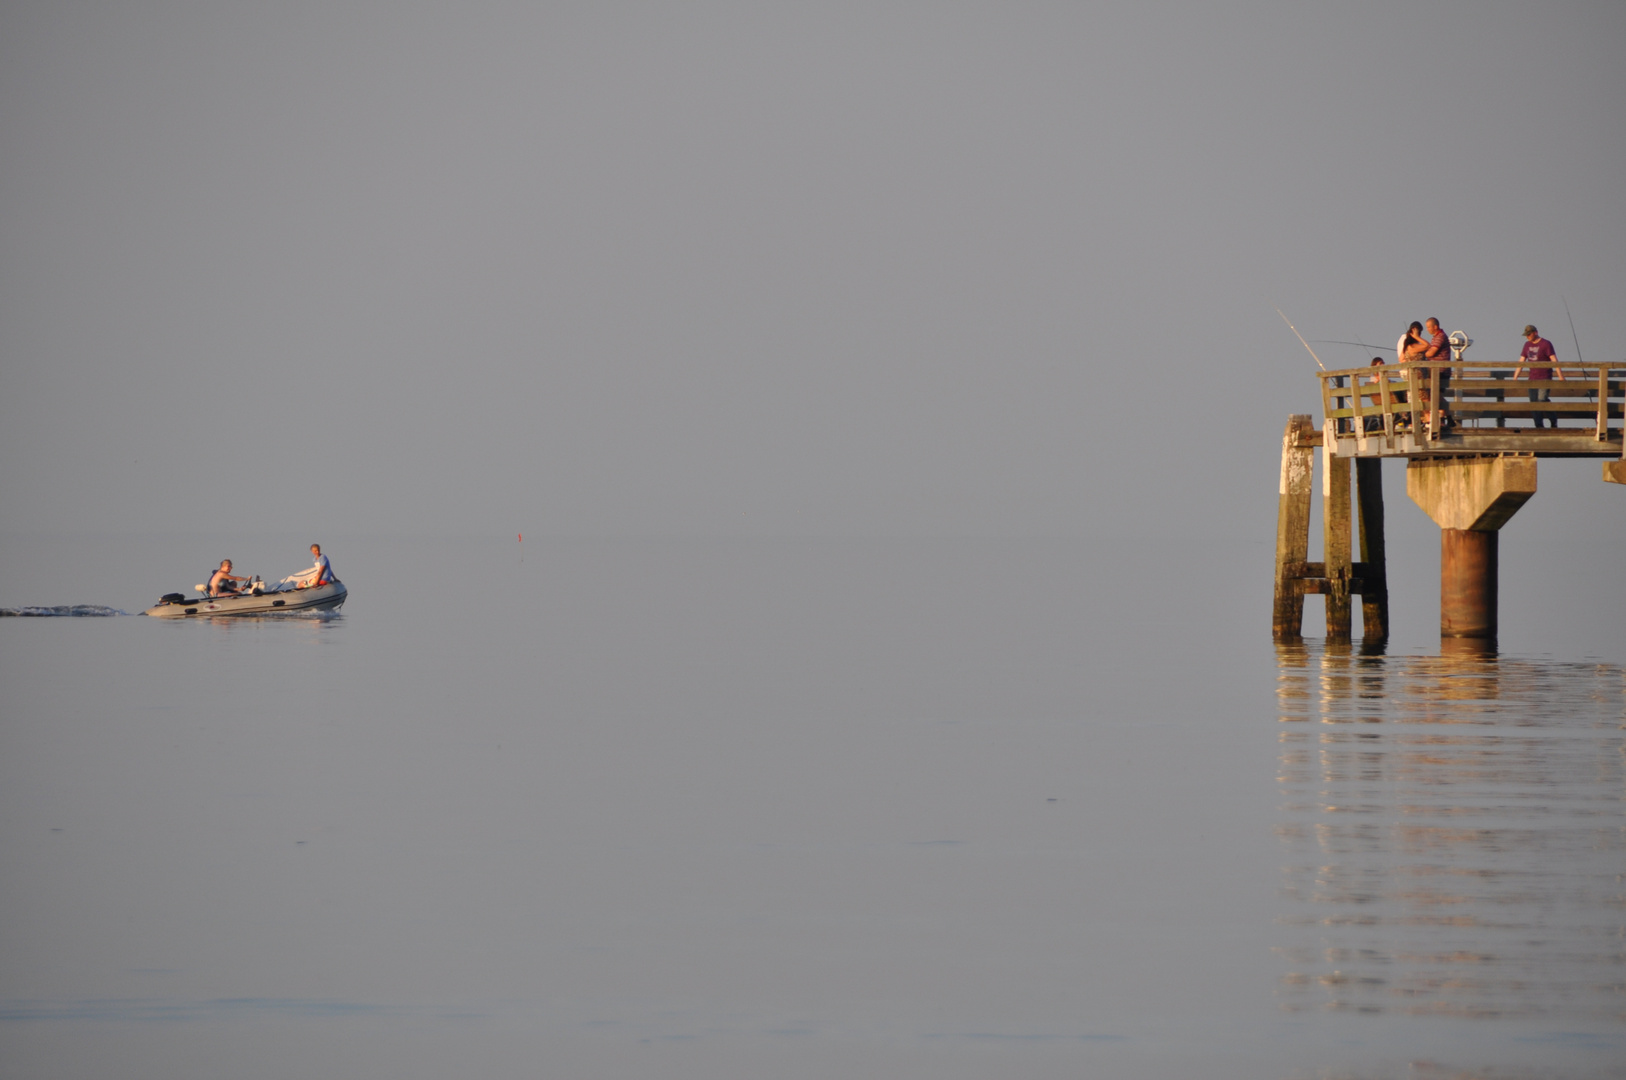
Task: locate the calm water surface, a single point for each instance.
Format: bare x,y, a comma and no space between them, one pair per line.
1453,835
721,808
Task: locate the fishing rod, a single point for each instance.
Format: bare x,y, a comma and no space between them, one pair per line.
1300,336
1571,318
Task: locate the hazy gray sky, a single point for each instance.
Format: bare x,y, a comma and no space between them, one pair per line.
764,269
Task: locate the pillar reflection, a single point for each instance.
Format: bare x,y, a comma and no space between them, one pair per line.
1453,828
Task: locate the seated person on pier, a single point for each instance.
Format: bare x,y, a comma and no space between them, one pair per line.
1396,397
1539,351
220,582
1375,423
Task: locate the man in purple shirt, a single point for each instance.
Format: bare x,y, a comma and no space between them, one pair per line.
1438,348
1538,356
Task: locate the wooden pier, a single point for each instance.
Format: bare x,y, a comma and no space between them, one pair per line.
1468,437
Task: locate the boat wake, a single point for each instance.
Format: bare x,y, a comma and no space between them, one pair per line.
307,614
59,611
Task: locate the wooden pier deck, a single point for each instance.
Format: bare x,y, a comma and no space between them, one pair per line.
1395,411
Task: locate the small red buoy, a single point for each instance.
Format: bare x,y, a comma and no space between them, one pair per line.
522,538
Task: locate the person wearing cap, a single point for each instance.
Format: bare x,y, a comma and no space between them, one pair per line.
1539,357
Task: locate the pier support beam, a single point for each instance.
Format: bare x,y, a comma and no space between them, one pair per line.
1470,499
1374,563
1338,577
1293,527
1335,541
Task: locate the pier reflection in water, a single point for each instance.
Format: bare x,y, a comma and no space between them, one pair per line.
1454,834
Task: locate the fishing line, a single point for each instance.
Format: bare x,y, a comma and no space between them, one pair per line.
1362,344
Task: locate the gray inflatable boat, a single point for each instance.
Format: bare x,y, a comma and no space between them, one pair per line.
259,600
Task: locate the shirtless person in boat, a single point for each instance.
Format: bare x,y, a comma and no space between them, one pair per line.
220,582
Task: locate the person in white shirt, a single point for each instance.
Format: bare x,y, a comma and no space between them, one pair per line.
322,572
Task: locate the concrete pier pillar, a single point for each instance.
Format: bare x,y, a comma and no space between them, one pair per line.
1469,499
1468,583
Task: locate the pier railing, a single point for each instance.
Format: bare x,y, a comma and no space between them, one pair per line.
1433,406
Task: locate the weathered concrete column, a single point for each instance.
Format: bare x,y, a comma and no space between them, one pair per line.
1469,499
1468,583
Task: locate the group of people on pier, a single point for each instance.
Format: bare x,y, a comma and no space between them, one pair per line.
1427,341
